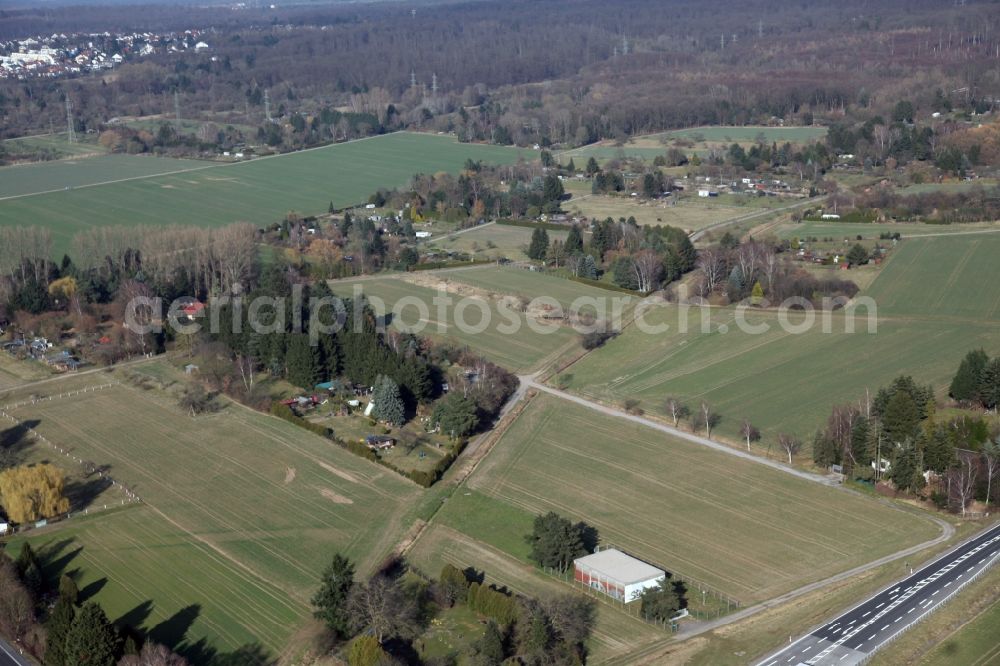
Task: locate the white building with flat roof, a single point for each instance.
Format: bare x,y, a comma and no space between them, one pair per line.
616,574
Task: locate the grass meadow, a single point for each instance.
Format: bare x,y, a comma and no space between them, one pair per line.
54,145
932,309
523,351
704,139
491,241
250,505
261,191
747,530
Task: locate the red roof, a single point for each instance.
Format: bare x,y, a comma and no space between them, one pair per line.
192,309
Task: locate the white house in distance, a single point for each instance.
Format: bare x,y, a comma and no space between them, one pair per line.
616,574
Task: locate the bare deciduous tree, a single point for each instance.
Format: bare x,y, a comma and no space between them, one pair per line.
962,480
749,432
790,444
380,606
677,410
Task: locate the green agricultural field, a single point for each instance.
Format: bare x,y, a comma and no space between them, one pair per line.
747,530
147,571
747,375
615,633
519,351
931,311
261,191
40,177
259,504
946,276
490,241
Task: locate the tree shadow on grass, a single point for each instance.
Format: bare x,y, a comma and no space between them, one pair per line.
87,593
172,631
14,443
55,556
82,493
136,617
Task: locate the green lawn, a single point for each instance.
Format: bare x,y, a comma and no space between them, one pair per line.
259,191
745,529
28,179
258,503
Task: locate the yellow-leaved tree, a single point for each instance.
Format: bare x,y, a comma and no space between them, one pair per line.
32,492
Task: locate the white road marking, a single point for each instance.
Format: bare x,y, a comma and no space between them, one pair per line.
871,638
935,592
947,584
867,614
807,648
912,609
880,605
884,628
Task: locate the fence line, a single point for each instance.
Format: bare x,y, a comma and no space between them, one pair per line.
67,394
130,495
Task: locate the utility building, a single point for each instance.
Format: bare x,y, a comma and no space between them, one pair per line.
616,574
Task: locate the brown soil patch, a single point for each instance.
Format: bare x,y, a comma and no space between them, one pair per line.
289,474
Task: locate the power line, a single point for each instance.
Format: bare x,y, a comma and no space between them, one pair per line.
70,134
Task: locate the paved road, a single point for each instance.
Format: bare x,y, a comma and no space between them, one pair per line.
859,632
9,656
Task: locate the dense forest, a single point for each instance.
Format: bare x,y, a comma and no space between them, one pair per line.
527,72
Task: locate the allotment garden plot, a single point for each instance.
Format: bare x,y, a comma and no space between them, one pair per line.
748,530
